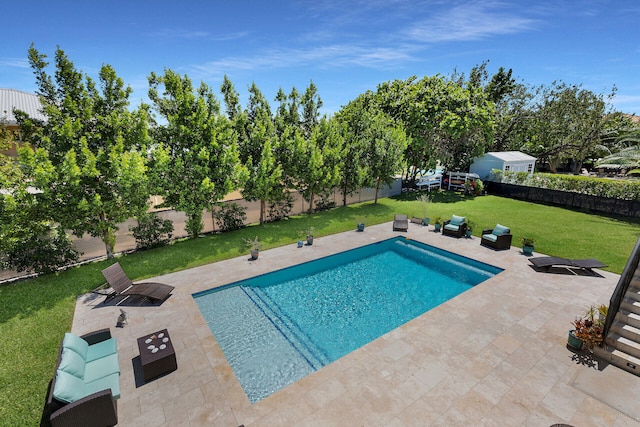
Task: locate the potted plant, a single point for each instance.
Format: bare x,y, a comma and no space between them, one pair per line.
588,328
527,245
310,231
254,246
425,200
469,230
361,225
437,224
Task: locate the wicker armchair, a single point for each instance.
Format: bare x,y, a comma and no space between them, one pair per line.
498,238
456,226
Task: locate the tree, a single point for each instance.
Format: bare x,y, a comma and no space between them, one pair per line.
386,144
265,174
319,160
567,125
88,157
354,122
195,162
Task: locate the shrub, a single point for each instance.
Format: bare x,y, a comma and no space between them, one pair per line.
324,203
280,209
41,251
230,216
601,187
151,231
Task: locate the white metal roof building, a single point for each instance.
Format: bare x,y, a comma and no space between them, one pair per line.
506,161
11,99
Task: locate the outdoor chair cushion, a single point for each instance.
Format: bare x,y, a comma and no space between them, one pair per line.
72,363
101,349
68,387
100,368
76,344
492,237
109,382
457,220
452,227
499,230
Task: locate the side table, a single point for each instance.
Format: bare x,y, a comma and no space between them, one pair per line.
157,355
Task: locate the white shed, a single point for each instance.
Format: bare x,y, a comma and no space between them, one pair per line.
506,161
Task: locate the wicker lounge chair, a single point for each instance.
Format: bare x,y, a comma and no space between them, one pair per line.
123,286
456,226
546,262
400,223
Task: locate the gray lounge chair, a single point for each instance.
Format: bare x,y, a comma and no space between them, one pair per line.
123,286
400,223
547,262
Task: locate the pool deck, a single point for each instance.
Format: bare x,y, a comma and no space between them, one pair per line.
494,355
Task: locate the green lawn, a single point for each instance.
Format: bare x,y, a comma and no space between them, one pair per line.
36,313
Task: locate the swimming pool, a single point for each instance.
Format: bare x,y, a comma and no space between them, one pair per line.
279,327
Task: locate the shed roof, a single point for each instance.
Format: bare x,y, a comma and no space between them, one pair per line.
510,156
24,101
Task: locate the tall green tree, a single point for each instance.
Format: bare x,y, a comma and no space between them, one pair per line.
320,160
568,125
195,161
387,142
88,157
354,122
264,182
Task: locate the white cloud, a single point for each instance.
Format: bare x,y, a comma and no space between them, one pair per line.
321,57
168,33
14,62
469,21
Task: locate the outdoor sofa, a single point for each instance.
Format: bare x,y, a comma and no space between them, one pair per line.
86,384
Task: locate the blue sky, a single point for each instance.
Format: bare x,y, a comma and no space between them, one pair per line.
345,47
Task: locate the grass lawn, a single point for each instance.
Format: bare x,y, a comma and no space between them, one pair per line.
35,314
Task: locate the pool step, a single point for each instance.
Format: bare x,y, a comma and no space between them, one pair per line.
297,338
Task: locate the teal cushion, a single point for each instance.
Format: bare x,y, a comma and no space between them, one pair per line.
101,368
68,388
492,237
457,220
101,349
111,381
72,363
499,230
452,227
76,344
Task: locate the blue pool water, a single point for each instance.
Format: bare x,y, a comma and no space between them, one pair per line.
279,327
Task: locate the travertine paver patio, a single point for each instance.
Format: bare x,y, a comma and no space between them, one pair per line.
494,355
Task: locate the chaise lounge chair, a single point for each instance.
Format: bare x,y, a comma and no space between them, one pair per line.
123,286
547,262
400,223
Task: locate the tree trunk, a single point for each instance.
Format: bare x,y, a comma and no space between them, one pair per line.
311,203
263,205
377,188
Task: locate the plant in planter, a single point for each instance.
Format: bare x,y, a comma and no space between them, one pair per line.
254,246
469,230
527,245
425,200
437,223
360,225
309,232
588,328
